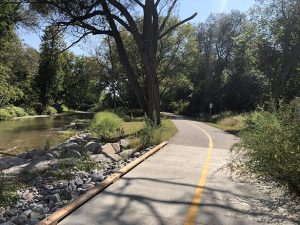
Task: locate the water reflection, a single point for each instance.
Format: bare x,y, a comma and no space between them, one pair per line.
26,134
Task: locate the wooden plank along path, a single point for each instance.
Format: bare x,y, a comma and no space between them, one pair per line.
57,216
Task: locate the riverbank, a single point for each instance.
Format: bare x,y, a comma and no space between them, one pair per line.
36,183
52,115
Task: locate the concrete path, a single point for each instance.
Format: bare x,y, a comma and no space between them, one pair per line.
165,188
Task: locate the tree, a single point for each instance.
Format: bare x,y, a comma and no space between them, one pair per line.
108,17
277,37
18,62
49,79
216,39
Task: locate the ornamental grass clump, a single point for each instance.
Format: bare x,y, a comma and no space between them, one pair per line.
151,135
107,125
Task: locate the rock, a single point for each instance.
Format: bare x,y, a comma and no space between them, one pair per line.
98,177
2,219
39,209
55,152
68,146
23,155
88,186
20,220
87,136
108,149
75,154
28,196
79,181
136,154
35,152
124,143
49,156
8,223
81,190
27,213
35,214
93,147
67,194
128,153
100,158
33,221
55,197
116,147
12,212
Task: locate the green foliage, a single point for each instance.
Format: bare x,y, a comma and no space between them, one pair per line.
11,112
179,107
270,145
16,111
50,110
107,125
4,114
151,135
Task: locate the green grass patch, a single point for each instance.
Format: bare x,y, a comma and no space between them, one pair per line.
232,124
8,190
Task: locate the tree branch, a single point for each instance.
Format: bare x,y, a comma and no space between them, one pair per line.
162,27
176,25
139,3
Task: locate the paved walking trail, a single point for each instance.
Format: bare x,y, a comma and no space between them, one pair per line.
167,187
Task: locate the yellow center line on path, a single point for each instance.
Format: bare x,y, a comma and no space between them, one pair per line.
194,208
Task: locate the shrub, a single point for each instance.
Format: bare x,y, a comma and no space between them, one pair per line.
16,111
151,135
61,108
4,114
179,107
11,111
270,146
50,110
107,125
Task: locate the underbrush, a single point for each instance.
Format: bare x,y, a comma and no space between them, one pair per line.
270,146
9,112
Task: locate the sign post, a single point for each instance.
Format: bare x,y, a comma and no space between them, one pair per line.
210,107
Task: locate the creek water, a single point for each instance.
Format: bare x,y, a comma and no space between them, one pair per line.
35,132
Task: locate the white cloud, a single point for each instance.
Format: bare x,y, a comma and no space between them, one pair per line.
223,5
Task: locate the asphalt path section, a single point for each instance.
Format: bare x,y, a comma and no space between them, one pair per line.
162,189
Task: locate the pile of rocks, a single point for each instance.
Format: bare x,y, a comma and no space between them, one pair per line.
47,194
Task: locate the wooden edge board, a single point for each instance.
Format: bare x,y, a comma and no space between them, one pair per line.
57,216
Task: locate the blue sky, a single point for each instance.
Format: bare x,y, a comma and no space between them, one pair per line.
185,9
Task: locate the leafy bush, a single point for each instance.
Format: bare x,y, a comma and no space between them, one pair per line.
11,111
151,135
61,108
270,146
107,125
179,107
50,110
4,114
16,111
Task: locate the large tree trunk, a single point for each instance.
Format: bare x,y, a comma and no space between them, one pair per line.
150,38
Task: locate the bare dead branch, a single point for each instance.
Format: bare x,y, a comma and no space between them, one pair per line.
162,27
176,25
